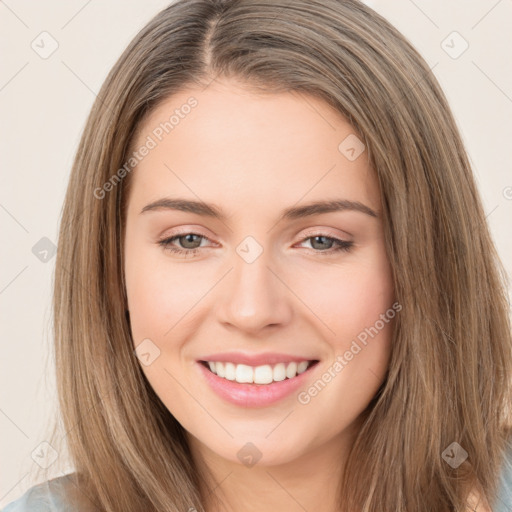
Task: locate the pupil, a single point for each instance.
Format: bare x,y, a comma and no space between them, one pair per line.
320,238
189,239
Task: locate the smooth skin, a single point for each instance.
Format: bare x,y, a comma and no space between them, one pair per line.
255,155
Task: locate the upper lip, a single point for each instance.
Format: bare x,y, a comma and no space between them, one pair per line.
255,359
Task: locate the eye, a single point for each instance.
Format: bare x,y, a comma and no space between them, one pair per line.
191,244
189,240
334,244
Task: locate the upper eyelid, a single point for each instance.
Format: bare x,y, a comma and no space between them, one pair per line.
315,231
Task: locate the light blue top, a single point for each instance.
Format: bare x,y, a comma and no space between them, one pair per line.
49,496
44,497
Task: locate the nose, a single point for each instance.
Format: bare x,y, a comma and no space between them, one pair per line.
254,297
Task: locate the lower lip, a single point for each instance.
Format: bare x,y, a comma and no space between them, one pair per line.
254,395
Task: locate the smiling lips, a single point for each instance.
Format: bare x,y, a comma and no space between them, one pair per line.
254,380
255,386
263,368
264,374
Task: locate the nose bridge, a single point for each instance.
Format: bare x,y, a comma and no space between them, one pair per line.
254,297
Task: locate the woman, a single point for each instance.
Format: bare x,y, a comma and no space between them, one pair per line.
257,368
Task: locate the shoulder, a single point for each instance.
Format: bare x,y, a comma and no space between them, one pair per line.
45,497
504,499
54,495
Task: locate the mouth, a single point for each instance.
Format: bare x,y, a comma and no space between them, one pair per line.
256,386
260,375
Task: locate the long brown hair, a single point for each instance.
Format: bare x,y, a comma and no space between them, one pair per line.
450,373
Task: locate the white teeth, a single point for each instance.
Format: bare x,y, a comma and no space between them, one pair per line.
279,372
302,366
264,374
244,373
291,370
229,369
219,367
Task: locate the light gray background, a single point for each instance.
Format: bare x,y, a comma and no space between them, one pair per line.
44,104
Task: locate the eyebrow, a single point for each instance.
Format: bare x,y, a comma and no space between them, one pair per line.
292,213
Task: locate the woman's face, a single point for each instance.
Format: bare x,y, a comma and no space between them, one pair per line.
265,281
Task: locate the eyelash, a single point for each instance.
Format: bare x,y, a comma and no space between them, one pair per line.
342,245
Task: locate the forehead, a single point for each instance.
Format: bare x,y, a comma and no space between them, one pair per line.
228,143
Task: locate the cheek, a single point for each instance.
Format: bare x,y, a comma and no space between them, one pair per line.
357,307
157,296
369,325
146,300
365,328
158,301
369,294
349,298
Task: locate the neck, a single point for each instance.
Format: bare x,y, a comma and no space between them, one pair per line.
296,485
